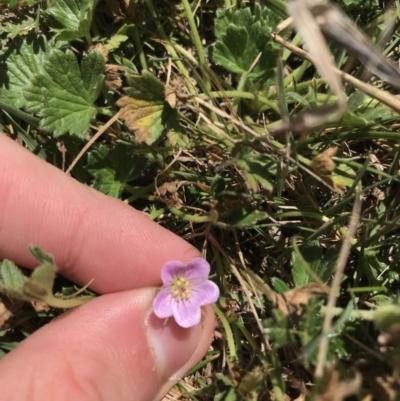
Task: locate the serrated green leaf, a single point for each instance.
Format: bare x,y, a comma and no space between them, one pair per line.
145,87
115,42
145,110
21,29
241,36
64,95
18,67
113,168
74,15
11,276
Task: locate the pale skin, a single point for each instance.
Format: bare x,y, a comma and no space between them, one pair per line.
111,348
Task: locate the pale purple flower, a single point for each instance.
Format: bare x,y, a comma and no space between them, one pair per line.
185,289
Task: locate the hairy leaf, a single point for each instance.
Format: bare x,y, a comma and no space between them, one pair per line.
112,168
145,109
64,94
74,15
241,36
19,65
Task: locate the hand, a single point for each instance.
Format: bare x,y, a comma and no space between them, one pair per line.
112,348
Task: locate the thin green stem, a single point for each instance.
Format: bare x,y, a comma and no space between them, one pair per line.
185,53
189,217
89,40
197,44
241,95
355,314
19,114
240,87
139,47
228,332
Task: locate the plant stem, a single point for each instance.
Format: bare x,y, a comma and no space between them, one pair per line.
242,95
228,331
189,217
139,46
197,43
19,114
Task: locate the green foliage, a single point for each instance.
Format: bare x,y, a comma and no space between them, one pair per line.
311,258
11,276
258,169
14,3
64,94
39,286
193,147
233,210
14,30
242,35
75,16
113,168
19,65
145,110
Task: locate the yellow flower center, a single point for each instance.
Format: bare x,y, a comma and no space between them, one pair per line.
181,288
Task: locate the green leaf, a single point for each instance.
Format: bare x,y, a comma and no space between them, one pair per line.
328,263
18,66
112,168
11,276
115,42
307,258
277,6
279,285
40,284
300,273
21,29
40,255
258,170
179,139
145,110
64,95
241,36
343,176
75,16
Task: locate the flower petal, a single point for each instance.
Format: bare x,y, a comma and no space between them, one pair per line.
163,304
170,270
197,270
187,313
205,293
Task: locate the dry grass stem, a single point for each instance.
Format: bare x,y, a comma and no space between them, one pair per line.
94,138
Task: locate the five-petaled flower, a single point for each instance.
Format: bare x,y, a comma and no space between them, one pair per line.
185,289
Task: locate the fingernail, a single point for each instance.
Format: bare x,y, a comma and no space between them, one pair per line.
172,345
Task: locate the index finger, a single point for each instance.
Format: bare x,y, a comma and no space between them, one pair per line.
90,235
